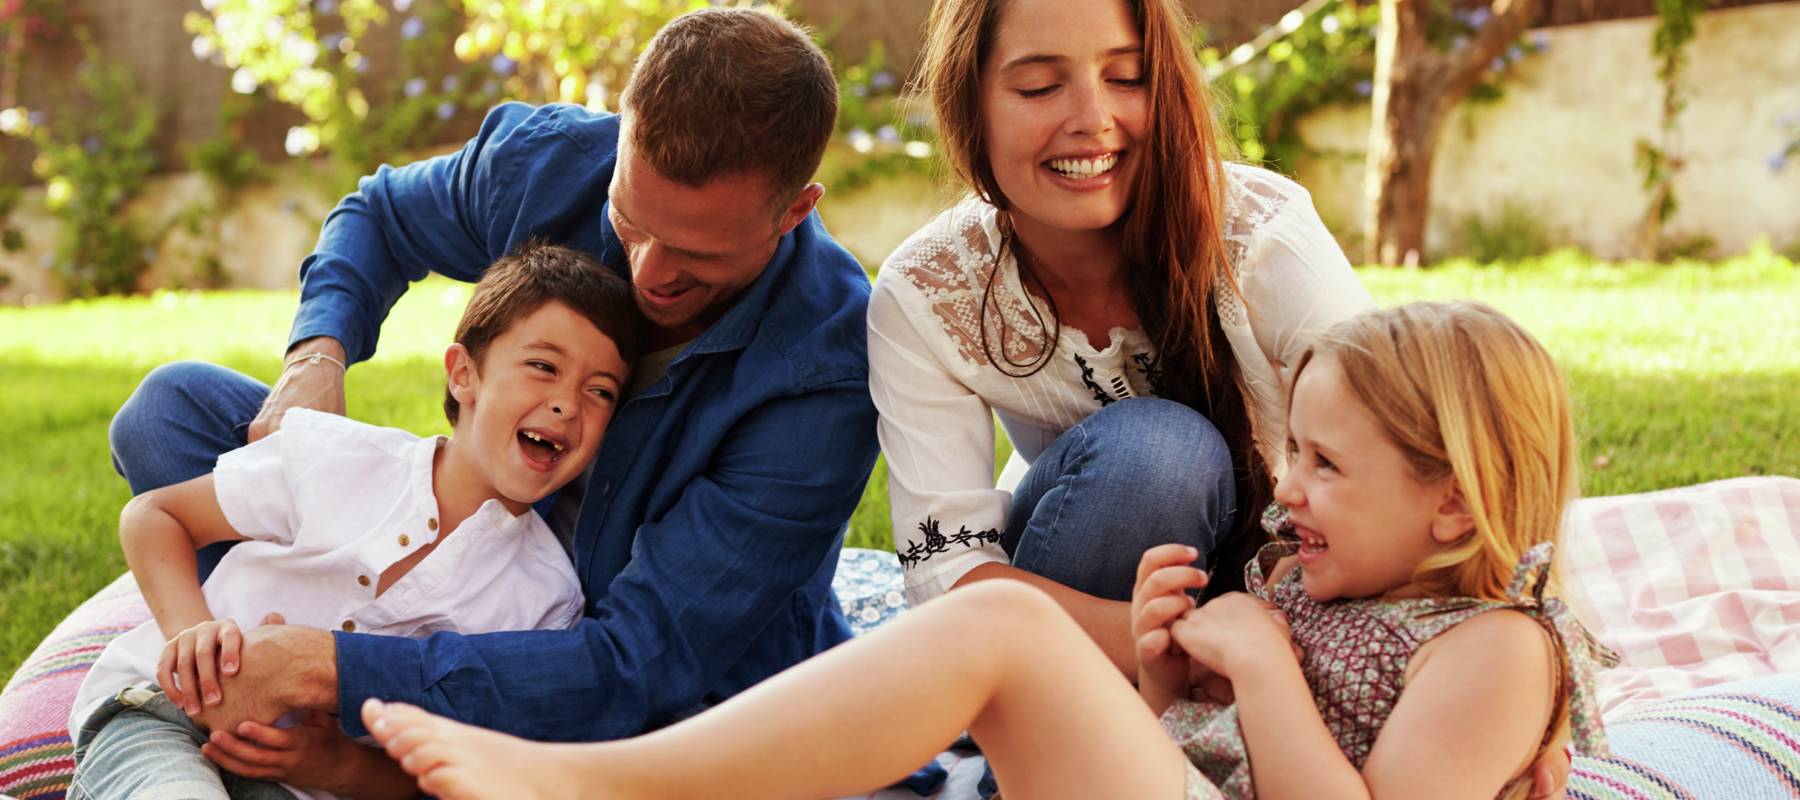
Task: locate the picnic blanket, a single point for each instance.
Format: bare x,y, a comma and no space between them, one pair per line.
1698,589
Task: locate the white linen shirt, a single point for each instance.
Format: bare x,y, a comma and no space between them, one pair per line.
328,503
937,393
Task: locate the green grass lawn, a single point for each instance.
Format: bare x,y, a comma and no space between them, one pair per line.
1680,374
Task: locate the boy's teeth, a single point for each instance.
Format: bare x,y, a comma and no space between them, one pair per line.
536,438
1084,167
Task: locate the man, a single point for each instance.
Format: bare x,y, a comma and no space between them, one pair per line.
707,531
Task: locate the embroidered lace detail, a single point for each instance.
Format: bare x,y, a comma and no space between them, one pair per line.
951,269
936,542
1253,197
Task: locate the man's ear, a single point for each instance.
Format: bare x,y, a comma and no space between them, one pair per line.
460,375
802,205
1452,521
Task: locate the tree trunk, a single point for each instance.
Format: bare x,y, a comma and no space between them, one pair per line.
1414,89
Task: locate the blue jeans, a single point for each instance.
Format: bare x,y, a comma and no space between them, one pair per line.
138,745
1135,474
177,423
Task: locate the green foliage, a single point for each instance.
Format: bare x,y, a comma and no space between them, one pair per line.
1659,161
1516,233
1319,55
92,163
573,51
882,130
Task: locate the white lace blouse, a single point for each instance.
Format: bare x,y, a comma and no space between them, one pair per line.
937,392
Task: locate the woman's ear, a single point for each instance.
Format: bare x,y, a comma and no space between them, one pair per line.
1452,521
460,374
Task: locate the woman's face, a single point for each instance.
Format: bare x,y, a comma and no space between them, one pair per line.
1065,106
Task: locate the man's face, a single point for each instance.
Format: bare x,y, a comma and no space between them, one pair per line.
693,249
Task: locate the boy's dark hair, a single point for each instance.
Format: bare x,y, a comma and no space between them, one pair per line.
733,91
536,273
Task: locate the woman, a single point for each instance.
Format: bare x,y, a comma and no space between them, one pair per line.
1125,300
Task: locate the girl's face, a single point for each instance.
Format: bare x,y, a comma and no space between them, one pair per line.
1065,108
1365,522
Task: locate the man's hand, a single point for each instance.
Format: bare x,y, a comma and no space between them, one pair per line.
281,668
312,755
305,382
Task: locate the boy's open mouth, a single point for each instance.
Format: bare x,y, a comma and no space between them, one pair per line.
541,447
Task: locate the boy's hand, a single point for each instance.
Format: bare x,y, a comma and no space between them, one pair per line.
1160,597
189,668
313,755
1233,633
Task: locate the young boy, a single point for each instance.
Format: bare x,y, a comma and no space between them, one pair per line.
349,526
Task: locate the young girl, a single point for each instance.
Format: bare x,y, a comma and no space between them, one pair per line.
1431,459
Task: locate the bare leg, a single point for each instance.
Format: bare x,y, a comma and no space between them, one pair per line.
1000,659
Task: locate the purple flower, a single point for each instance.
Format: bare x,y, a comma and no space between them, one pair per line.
1480,17
412,28
446,110
415,87
1498,65
882,80
490,88
451,82
1515,53
35,118
91,144
402,5
331,41
1458,42
1776,162
859,90
888,135
326,6
1540,42
502,65
1364,88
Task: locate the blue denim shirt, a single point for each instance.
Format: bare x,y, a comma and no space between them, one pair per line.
712,520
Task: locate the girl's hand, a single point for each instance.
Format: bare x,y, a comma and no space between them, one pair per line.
189,668
1233,634
1160,597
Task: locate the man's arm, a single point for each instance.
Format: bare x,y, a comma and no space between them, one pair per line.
440,214
702,583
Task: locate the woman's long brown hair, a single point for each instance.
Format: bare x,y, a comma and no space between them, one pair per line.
1173,243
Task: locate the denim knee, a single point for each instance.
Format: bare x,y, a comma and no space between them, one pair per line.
1172,453
177,421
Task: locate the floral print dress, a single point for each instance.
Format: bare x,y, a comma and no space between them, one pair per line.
1355,658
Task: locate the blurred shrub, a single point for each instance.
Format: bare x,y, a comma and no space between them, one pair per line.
92,164
1515,233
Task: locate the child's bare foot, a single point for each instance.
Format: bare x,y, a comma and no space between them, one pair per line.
463,762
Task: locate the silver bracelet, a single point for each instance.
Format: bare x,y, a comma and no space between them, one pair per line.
313,359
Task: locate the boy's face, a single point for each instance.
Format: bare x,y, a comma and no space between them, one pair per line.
535,408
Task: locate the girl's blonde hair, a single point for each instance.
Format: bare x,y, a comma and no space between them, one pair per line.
1466,393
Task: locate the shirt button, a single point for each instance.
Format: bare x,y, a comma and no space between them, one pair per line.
362,580
431,524
349,627
405,540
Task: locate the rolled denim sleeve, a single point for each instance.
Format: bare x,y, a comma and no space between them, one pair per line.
702,582
446,214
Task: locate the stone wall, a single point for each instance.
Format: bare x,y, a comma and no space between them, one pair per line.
1560,143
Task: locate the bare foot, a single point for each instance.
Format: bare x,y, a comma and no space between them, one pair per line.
463,762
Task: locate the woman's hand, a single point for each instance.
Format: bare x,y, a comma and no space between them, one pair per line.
1164,576
1233,634
189,668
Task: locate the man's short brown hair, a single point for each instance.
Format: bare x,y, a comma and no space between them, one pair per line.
522,281
732,91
